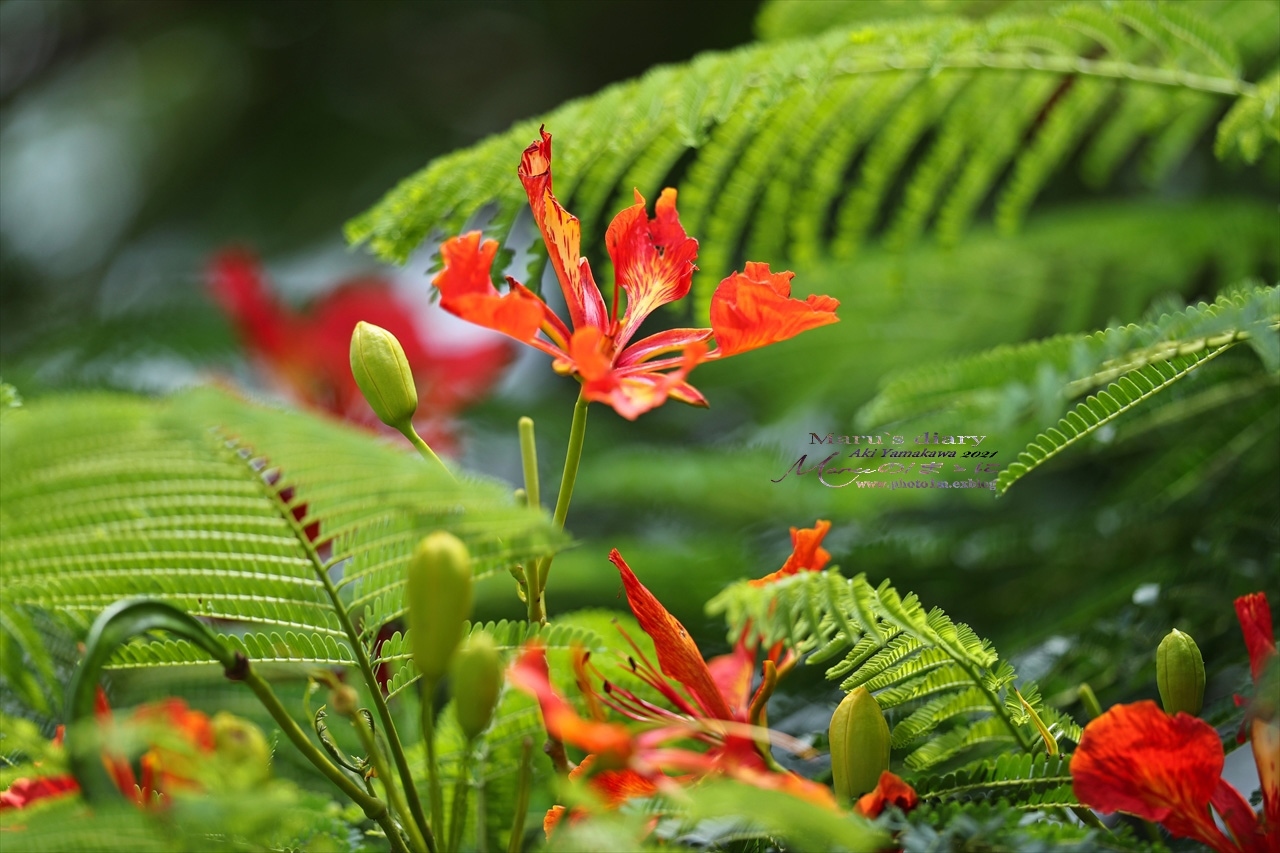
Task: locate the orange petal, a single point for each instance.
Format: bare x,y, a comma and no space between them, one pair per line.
672,340
890,791
807,553
678,655
618,786
1138,759
562,233
467,291
633,392
610,741
732,674
754,308
653,260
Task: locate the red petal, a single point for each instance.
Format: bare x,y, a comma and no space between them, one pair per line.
563,235
529,673
890,791
618,786
237,283
467,291
678,655
1255,621
807,553
672,340
753,309
732,674
631,394
653,260
1138,759
1238,815
24,792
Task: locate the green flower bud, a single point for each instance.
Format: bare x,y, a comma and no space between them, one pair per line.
859,745
382,372
438,596
477,681
344,700
1180,674
242,750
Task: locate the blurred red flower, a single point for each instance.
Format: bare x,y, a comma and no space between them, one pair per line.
165,767
653,261
307,355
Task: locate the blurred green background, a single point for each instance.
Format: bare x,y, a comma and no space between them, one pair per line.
138,138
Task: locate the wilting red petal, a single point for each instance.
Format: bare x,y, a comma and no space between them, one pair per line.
807,553
562,233
678,655
467,291
754,308
890,791
529,673
653,260
1138,759
1255,621
24,792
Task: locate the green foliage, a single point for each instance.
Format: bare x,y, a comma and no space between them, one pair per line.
797,145
214,506
946,690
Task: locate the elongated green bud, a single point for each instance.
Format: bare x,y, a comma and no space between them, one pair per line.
1180,674
382,372
477,681
859,745
438,595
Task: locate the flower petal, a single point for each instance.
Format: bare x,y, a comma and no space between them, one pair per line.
678,655
890,791
611,741
562,233
653,260
672,340
467,291
1138,759
754,308
807,553
24,792
732,674
1254,614
632,392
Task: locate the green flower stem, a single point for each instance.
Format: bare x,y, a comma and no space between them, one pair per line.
572,456
425,450
433,769
370,744
533,498
461,789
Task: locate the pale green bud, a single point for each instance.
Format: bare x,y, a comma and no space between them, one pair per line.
242,751
382,372
438,596
1180,674
477,681
859,745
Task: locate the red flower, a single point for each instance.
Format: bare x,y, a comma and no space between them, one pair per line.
654,263
165,769
890,791
807,553
1168,769
308,355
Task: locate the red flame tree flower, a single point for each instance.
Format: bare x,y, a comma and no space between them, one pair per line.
654,263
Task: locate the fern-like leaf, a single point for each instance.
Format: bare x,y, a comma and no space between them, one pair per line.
269,525
945,688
